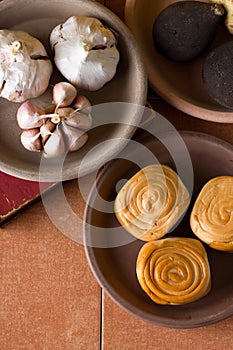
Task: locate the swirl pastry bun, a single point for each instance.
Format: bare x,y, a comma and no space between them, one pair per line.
174,270
211,218
151,202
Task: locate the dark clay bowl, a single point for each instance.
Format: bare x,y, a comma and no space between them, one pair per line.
112,252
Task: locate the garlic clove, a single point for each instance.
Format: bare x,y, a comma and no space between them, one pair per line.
74,138
46,130
85,52
55,145
80,120
82,104
31,140
63,94
30,116
78,143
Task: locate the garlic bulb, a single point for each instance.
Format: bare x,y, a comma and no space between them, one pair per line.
85,52
25,68
59,129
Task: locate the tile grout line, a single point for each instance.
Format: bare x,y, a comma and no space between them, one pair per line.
101,320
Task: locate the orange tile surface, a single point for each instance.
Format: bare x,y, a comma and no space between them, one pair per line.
122,330
50,299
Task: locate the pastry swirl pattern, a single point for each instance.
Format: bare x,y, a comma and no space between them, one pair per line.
212,215
151,202
174,271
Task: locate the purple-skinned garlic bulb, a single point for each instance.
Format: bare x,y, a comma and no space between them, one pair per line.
57,130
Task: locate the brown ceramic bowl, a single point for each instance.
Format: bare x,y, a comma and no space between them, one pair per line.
39,17
180,84
112,252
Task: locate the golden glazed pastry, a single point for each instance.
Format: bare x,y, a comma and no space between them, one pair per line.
174,271
212,214
151,202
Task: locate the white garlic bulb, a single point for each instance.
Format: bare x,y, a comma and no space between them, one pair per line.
25,68
85,52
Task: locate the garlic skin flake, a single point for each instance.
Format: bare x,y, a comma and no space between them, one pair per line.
85,52
25,68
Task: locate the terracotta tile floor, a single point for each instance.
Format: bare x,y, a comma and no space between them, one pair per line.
50,299
123,331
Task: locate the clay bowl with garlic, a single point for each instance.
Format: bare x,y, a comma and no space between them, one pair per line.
116,108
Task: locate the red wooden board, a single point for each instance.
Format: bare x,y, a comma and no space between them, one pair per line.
15,194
